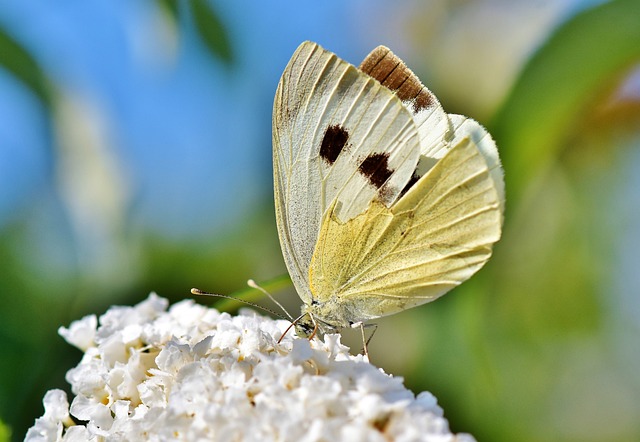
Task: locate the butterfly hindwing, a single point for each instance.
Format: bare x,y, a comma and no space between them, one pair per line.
467,127
432,239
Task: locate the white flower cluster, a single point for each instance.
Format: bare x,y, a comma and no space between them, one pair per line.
192,373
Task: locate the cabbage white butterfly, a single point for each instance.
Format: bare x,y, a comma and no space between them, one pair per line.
383,200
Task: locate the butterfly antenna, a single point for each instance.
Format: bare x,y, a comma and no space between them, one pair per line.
251,283
268,310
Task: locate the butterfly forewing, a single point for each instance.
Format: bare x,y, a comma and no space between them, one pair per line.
428,115
339,137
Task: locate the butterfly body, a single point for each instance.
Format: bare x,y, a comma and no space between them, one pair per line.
383,201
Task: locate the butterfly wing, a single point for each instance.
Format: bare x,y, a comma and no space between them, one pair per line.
432,239
383,201
430,119
466,127
340,140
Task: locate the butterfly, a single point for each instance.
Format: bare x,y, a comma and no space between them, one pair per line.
383,200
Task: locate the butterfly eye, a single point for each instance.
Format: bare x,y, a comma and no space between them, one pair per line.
306,327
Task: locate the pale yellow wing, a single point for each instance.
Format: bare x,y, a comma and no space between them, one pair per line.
432,239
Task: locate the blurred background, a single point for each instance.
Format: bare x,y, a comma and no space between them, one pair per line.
135,156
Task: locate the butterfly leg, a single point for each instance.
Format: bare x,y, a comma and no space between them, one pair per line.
365,341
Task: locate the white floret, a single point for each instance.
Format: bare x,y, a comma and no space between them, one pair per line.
193,373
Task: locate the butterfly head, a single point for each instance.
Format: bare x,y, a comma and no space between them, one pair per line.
306,327
318,318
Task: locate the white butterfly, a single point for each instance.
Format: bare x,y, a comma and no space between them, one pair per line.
383,201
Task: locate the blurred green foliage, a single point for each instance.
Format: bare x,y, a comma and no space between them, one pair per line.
524,351
21,64
212,30
209,26
558,87
533,359
5,432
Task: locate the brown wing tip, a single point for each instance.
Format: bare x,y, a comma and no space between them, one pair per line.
391,72
374,57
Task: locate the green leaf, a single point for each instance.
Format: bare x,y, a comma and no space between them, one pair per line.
17,60
580,62
212,30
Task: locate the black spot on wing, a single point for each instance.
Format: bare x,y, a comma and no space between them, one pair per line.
334,140
375,168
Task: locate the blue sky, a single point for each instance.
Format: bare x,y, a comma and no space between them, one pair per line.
189,134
